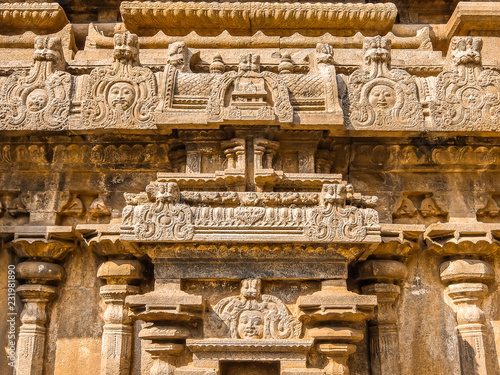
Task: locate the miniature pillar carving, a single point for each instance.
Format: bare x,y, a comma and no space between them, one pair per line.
326,314
380,276
173,317
466,280
41,277
117,331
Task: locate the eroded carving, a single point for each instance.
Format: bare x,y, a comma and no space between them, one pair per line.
39,99
380,97
253,315
467,96
123,95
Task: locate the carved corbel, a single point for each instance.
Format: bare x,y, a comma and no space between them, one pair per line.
466,281
325,66
41,275
171,316
466,275
117,331
380,278
234,149
327,314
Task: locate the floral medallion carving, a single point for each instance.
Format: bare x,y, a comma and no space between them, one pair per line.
467,96
253,315
380,97
39,99
123,95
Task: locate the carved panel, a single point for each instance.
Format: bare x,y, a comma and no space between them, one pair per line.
164,214
253,315
380,97
248,91
39,99
467,96
123,95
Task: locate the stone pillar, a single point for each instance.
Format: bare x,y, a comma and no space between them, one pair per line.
327,314
116,350
466,285
41,276
171,315
380,277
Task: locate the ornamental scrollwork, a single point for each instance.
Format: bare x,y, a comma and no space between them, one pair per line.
123,95
253,315
39,99
380,97
467,97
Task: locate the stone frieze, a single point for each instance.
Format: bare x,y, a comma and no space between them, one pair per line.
162,213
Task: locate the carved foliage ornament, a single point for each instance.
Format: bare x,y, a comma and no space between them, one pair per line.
39,99
123,95
253,315
383,98
159,215
467,96
249,94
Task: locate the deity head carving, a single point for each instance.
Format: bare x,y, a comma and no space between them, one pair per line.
382,96
178,55
251,324
121,95
37,100
324,53
249,63
466,50
377,49
126,48
250,288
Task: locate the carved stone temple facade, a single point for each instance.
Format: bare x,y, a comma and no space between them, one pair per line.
249,188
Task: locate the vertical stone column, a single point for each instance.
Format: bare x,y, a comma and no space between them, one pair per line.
171,316
466,285
380,277
327,314
41,276
116,350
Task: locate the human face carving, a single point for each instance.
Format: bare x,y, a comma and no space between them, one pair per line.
121,94
382,96
251,325
37,100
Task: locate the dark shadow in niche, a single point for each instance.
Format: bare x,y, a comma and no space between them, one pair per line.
249,368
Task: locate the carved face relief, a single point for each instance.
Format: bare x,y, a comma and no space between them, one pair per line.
251,324
382,97
121,94
37,100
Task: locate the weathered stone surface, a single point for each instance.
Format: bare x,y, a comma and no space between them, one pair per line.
249,188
